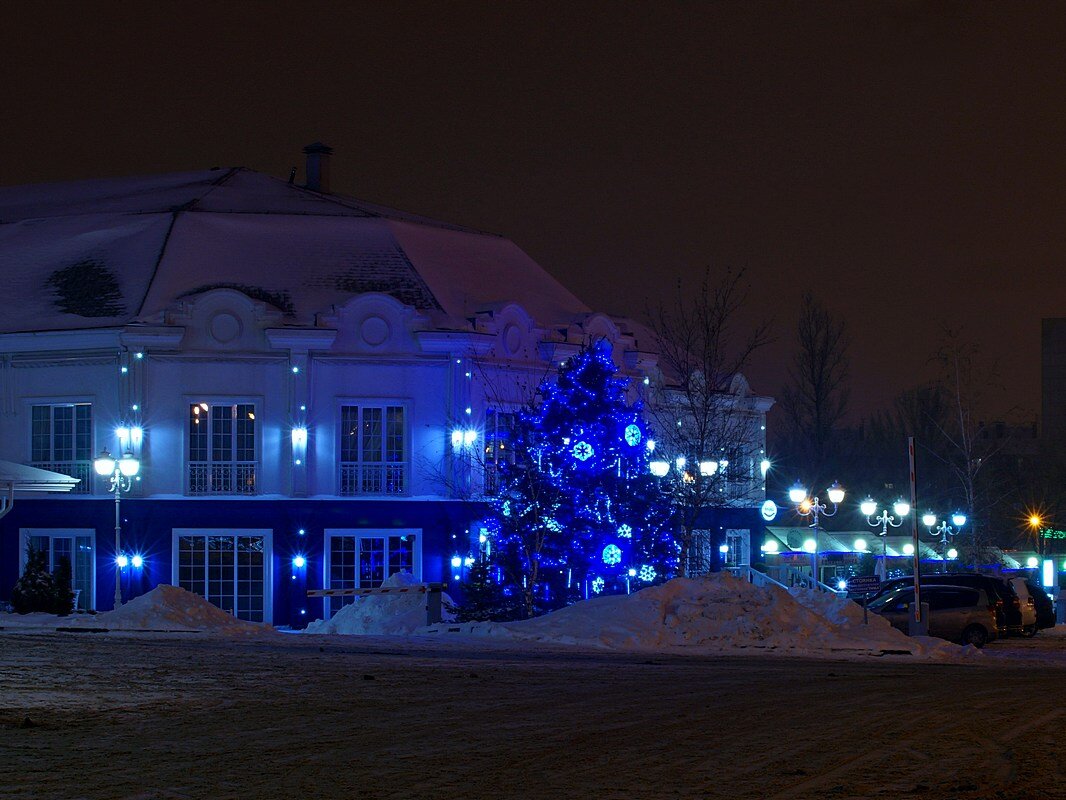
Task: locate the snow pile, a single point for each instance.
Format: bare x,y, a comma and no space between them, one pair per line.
169,608
715,614
382,614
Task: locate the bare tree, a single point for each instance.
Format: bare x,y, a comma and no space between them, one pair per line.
815,401
968,448
701,410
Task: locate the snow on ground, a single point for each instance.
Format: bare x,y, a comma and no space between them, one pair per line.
390,614
169,608
716,614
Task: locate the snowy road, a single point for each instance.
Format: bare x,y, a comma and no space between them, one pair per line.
188,716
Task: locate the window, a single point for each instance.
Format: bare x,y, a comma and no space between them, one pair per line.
226,569
222,448
74,545
364,559
738,541
499,447
61,440
372,450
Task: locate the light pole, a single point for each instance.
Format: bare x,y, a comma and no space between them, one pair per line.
808,506
884,519
120,473
943,531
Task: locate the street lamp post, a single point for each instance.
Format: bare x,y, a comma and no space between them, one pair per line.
808,506
884,519
943,531
120,474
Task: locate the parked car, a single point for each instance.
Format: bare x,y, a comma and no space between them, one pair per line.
999,591
957,613
1038,612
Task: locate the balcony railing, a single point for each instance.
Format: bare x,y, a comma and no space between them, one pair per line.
358,478
82,470
238,477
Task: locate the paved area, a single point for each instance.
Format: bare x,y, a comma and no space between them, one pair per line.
102,716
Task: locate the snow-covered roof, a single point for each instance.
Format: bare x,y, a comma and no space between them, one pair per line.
101,253
32,479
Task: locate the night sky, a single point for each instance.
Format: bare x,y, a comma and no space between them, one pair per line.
904,160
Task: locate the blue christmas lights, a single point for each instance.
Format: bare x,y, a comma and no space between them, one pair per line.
612,555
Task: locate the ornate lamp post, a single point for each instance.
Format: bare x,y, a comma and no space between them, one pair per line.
884,519
120,474
943,531
807,506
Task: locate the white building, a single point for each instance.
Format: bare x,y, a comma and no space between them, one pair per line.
301,374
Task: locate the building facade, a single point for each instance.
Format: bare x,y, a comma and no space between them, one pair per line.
310,383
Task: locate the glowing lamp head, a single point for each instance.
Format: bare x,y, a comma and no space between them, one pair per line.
104,464
836,493
908,549
810,546
860,545
457,438
770,547
1032,562
1034,520
659,468
868,507
764,466
929,519
842,584
122,560
953,554
650,444
137,561
469,437
457,561
708,468
723,549
805,506
958,520
679,463
902,508
798,492
299,436
128,465
299,562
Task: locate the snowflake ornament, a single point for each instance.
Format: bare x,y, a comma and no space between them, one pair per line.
597,585
647,573
582,451
633,435
612,555
625,531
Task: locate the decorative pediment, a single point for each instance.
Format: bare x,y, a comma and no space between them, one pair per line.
374,323
224,319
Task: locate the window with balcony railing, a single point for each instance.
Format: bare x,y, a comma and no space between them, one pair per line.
222,455
61,440
372,450
499,447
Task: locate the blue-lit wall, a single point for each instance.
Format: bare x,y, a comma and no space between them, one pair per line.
148,525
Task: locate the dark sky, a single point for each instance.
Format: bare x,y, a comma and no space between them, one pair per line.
903,160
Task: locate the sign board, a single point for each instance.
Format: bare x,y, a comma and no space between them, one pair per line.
1051,533
864,584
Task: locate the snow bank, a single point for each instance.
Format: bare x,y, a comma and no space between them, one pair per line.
718,613
381,614
169,608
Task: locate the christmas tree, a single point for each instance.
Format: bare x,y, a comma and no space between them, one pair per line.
578,512
35,589
483,597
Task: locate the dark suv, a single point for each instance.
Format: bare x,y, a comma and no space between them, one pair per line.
999,591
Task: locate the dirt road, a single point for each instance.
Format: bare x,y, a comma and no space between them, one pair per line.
327,717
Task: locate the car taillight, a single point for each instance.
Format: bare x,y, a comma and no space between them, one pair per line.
1017,602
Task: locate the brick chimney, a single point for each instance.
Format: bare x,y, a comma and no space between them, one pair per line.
318,166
